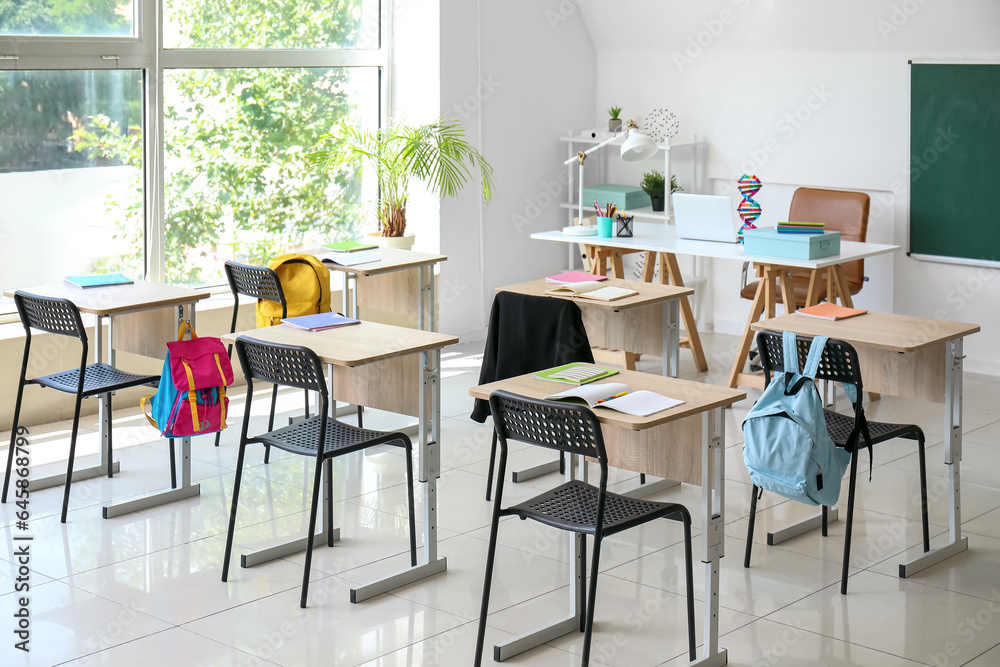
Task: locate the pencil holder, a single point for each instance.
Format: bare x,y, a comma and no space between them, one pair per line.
604,227
624,225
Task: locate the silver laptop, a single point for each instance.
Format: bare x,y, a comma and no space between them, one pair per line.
705,217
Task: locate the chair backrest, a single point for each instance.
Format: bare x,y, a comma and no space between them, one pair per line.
55,316
527,334
259,282
842,211
561,426
839,362
285,365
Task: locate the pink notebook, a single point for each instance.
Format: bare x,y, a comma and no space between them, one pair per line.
574,277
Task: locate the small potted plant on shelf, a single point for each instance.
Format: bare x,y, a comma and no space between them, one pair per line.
654,184
437,154
614,123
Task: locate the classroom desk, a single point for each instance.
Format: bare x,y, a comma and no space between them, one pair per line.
909,357
659,239
685,443
646,323
144,327
392,288
369,366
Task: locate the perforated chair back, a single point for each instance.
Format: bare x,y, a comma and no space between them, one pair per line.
284,365
566,428
259,282
839,362
55,316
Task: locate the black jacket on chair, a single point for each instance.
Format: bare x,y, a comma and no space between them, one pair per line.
528,334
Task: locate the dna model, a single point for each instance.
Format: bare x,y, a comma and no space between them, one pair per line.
748,209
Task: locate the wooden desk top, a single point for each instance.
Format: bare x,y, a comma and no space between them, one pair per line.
888,331
353,345
649,293
658,237
390,259
117,299
697,396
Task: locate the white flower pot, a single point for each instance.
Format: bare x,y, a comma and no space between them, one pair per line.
404,242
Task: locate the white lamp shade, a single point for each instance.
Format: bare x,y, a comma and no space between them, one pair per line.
637,146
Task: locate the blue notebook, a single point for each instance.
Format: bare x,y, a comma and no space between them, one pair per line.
101,280
319,321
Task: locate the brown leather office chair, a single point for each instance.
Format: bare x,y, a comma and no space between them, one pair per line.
842,211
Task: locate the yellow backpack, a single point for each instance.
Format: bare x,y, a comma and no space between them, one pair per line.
305,281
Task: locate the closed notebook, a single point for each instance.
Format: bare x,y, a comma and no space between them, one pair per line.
829,311
319,321
349,246
101,280
574,277
592,290
575,373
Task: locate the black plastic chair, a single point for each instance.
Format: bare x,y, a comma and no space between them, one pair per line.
320,436
62,317
839,363
574,506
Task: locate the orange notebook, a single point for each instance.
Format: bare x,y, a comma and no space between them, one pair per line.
829,311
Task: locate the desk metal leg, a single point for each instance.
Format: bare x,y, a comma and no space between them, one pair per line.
713,503
953,459
671,338
430,468
185,490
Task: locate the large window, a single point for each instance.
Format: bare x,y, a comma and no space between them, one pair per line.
162,160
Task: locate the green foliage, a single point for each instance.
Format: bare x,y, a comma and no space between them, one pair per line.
437,154
614,112
64,17
654,184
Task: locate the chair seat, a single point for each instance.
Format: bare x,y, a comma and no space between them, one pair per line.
303,438
573,506
800,284
840,426
97,379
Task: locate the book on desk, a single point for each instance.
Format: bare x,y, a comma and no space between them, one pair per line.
349,246
350,258
592,290
829,311
619,396
319,321
575,373
101,280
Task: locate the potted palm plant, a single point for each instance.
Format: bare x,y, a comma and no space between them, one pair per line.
437,154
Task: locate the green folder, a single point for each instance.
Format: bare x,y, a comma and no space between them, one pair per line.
348,246
102,280
575,373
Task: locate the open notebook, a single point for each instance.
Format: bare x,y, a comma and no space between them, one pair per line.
620,397
592,290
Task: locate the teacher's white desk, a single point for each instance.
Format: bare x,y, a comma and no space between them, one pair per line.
660,239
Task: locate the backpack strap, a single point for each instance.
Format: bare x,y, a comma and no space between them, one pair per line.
815,355
808,373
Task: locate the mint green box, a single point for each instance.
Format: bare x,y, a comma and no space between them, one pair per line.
768,242
628,197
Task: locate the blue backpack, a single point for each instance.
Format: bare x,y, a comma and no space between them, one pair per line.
786,445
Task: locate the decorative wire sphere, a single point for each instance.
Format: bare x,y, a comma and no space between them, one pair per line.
661,125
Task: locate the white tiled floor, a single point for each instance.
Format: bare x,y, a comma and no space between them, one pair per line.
146,589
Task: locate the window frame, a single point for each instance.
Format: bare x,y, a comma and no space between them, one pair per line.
145,51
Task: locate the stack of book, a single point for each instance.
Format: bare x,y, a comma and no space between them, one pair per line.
800,227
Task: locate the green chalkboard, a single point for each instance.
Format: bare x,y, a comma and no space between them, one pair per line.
955,161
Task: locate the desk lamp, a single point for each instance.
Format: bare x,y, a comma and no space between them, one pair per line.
637,146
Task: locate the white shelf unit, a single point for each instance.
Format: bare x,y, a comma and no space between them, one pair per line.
577,141
699,170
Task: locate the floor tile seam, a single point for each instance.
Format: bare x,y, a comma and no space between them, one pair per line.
131,641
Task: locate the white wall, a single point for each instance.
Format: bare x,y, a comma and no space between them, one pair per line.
807,93
519,74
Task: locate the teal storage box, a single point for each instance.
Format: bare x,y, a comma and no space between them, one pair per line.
769,242
628,197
